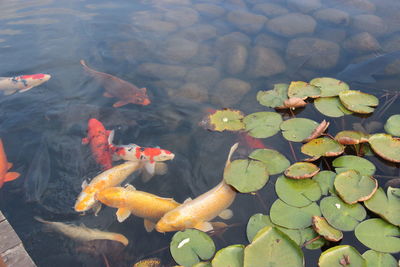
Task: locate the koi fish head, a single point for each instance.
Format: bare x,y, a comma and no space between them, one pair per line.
141,97
170,222
34,79
94,124
157,154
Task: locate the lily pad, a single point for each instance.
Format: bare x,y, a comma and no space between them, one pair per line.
379,259
385,146
273,98
227,119
321,128
331,107
351,137
308,234
262,124
298,129
358,102
341,215
274,160
325,180
202,264
329,86
303,90
297,193
392,125
323,146
246,175
322,227
301,170
271,247
291,217
292,103
388,207
231,256
341,256
350,162
191,245
379,235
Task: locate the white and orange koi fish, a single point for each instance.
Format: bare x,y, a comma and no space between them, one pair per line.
11,85
198,212
129,201
109,178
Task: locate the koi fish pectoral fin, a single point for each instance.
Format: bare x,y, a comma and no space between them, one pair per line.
150,167
85,141
226,214
107,94
120,103
10,91
187,200
149,225
204,226
122,214
10,176
96,208
9,165
25,89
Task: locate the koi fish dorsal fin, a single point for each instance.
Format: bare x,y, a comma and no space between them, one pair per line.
122,214
10,176
226,214
204,226
130,187
149,225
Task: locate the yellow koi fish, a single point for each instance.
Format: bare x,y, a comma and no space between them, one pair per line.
109,178
82,233
129,201
198,212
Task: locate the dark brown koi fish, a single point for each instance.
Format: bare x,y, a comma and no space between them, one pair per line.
118,88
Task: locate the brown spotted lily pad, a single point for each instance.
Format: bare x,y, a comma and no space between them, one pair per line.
358,102
226,119
322,227
275,97
329,86
301,170
385,146
303,90
323,146
351,137
321,128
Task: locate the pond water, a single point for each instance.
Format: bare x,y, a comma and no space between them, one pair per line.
193,57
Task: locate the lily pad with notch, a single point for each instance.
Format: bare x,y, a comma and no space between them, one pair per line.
379,259
303,90
226,119
340,256
310,239
325,180
322,147
262,124
322,227
351,137
331,107
386,206
298,129
385,146
301,170
274,160
392,125
275,97
231,256
329,86
350,162
358,102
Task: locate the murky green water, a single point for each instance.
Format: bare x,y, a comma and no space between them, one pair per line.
192,56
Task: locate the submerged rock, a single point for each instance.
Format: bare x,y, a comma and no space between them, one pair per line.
270,41
292,24
246,21
206,76
198,32
333,16
229,92
192,91
155,25
270,10
304,6
205,56
161,71
176,50
234,37
209,10
234,58
183,16
369,23
265,62
361,43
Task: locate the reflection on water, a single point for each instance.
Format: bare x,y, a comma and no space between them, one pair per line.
191,56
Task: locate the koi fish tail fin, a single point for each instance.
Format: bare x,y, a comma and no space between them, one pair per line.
37,218
83,63
149,225
86,67
10,176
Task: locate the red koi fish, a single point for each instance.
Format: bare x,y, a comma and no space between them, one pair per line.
118,88
11,85
5,176
97,137
249,141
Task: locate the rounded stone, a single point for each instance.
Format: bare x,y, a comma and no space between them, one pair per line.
205,76
205,56
192,91
161,71
234,58
183,16
292,24
209,10
229,92
177,50
316,53
369,23
233,37
270,10
304,6
246,21
158,26
265,62
270,41
361,43
333,16
198,32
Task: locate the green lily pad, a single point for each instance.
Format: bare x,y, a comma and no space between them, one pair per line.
353,187
262,124
231,256
392,125
301,170
322,227
388,207
308,234
341,215
358,102
341,256
202,264
331,107
350,162
379,235
297,129
227,119
351,137
379,259
271,247
325,180
329,86
323,146
303,90
385,146
273,98
291,217
191,245
275,161
297,193
246,175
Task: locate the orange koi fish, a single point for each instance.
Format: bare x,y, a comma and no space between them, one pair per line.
97,137
129,201
111,177
118,88
10,85
198,212
5,176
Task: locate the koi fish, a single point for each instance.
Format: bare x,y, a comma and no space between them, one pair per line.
129,201
198,212
111,177
5,176
11,85
132,152
97,137
82,233
118,88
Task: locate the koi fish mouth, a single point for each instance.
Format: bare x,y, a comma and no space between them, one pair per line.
146,102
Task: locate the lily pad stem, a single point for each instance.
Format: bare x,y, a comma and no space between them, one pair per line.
292,150
311,241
